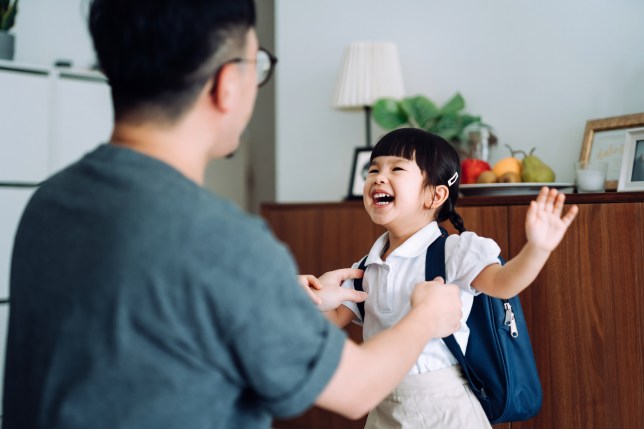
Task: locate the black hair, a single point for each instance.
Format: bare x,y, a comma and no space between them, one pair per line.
436,158
158,54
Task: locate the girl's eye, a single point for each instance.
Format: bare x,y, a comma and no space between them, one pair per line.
373,170
399,169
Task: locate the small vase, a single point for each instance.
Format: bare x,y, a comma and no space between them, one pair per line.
7,42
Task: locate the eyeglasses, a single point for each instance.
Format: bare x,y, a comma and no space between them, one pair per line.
265,64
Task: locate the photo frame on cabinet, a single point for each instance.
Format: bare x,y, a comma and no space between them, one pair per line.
604,141
631,176
361,162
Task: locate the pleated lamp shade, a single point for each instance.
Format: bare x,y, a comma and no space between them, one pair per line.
371,70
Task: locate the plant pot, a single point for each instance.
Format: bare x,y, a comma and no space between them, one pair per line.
7,42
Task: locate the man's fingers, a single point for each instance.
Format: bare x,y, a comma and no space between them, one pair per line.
439,279
349,273
354,295
309,280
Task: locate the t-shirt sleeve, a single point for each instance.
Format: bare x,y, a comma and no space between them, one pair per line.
284,350
466,255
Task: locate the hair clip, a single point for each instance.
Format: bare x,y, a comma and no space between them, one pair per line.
452,179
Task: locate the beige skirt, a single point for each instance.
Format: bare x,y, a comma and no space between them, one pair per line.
438,399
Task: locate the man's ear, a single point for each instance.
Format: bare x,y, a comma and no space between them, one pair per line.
225,88
437,196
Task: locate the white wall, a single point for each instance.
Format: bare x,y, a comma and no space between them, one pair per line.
536,71
48,30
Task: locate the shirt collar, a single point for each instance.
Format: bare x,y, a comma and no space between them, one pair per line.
412,247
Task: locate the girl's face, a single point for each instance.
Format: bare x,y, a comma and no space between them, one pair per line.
395,195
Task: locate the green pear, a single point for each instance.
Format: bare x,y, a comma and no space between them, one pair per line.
534,170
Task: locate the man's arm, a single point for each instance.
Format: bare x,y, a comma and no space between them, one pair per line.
370,371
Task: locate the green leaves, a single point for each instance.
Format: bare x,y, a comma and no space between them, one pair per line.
420,112
8,13
389,113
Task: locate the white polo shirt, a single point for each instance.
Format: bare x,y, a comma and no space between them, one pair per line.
390,284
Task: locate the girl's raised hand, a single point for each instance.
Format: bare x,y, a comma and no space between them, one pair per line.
544,225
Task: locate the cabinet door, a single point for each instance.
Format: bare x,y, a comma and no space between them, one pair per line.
322,237
12,204
83,118
490,222
25,113
586,323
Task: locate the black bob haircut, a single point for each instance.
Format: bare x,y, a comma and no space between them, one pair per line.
437,159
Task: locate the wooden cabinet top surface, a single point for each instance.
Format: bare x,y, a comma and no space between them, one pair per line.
506,200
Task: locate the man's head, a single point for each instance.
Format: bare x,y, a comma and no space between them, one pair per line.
159,54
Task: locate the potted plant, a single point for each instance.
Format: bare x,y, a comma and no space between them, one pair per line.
448,121
8,11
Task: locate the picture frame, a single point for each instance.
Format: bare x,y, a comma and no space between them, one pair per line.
631,176
604,141
359,170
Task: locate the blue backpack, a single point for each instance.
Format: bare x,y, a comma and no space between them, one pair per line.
498,363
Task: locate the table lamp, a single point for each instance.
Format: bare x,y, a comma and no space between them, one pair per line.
371,70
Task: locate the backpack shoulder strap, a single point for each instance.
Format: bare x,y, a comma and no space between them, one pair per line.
357,285
435,267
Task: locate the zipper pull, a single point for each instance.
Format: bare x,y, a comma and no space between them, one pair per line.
509,315
513,328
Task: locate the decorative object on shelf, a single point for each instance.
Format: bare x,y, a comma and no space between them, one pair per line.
8,11
604,141
477,138
448,121
590,176
361,163
631,177
370,70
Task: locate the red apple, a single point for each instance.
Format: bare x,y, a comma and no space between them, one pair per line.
471,168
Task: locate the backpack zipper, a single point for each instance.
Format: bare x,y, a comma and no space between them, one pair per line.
509,319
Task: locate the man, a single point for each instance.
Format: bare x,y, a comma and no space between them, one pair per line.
139,299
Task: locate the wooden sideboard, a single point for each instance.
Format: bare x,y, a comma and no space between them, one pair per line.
585,311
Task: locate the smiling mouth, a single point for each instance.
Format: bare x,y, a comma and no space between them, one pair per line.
382,199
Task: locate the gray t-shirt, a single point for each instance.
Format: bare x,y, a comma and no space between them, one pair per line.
140,300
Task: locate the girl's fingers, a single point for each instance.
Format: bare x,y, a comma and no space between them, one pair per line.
570,215
550,201
532,212
542,197
559,204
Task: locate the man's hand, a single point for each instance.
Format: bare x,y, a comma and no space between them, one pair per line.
326,292
441,303
308,283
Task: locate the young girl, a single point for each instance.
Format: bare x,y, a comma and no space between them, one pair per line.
412,185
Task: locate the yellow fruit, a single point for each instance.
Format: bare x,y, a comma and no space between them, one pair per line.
486,177
510,177
507,165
